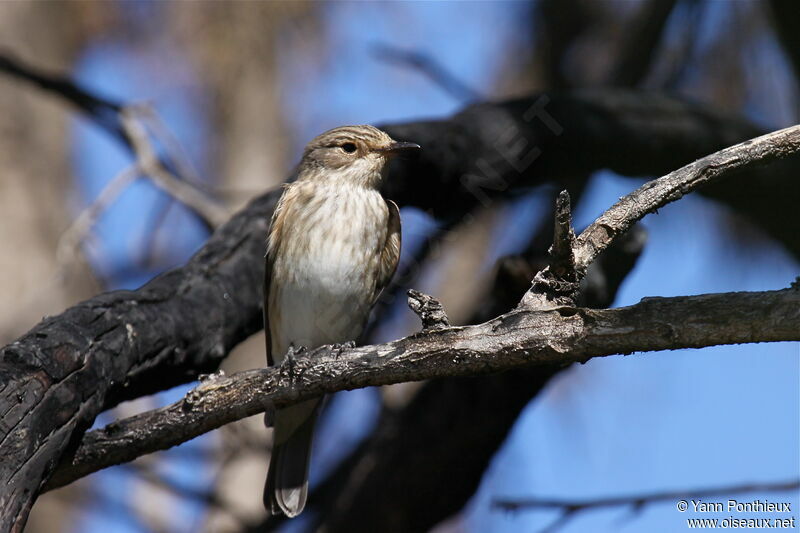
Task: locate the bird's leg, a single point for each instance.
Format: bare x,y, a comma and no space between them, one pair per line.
337,348
289,363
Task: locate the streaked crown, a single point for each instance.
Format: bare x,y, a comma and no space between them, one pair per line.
354,153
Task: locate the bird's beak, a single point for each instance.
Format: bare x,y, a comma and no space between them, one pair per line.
399,147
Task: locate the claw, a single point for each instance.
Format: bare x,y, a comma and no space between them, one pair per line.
289,363
337,348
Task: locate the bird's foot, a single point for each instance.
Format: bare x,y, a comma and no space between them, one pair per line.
214,376
289,363
337,348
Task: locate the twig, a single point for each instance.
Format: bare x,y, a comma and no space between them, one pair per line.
102,110
428,309
146,163
429,67
569,508
657,193
519,338
71,240
183,164
209,211
563,262
121,122
559,280
407,272
125,344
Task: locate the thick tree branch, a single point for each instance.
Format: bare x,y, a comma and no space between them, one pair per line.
120,345
786,20
640,42
517,339
413,442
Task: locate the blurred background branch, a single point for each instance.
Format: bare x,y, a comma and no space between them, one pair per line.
243,86
569,508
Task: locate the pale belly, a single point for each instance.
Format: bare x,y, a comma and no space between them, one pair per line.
322,287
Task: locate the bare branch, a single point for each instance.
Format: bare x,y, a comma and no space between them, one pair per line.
569,508
71,240
648,198
517,339
122,122
183,191
429,309
103,111
658,193
429,67
642,499
559,280
56,379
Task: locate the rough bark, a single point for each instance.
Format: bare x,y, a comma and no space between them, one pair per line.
479,411
121,345
460,351
520,338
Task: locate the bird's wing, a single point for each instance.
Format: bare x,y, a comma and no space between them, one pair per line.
390,254
275,229
267,335
275,225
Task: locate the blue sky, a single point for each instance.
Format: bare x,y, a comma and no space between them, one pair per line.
615,426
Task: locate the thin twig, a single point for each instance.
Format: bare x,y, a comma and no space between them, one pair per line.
122,122
429,67
428,309
70,241
563,237
178,155
570,508
209,211
638,500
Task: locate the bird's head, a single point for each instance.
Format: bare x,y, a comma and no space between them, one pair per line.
355,154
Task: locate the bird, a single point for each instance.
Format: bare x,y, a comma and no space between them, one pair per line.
333,245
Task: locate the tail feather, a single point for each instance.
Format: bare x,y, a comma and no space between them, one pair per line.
286,489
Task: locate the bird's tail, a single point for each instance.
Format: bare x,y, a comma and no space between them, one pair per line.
286,489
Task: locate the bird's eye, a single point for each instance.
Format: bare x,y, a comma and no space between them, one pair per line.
349,147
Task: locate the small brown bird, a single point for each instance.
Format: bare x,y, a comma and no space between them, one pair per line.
333,246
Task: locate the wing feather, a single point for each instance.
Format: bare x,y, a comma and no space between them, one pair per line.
275,229
390,254
267,282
